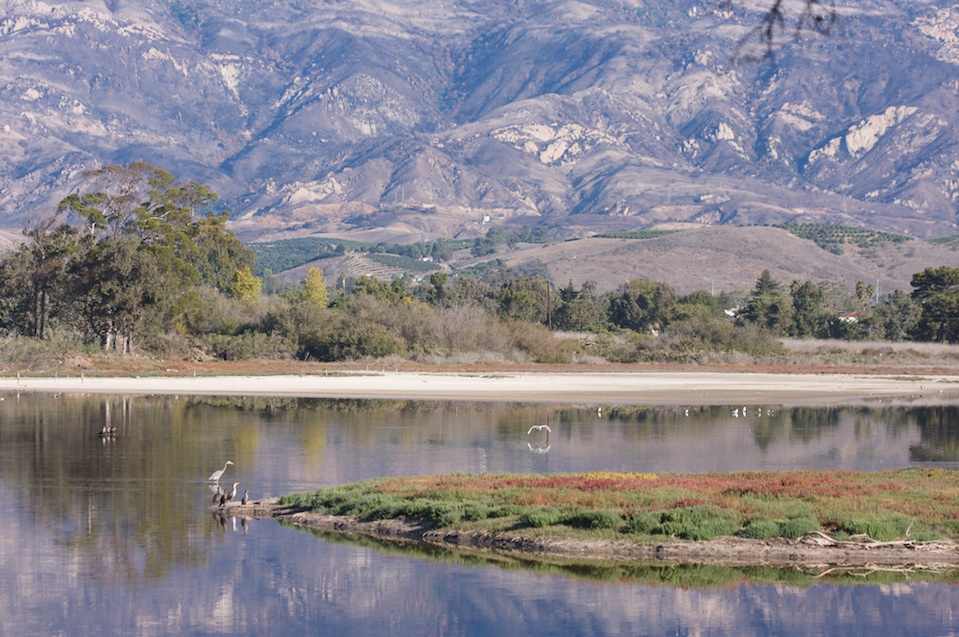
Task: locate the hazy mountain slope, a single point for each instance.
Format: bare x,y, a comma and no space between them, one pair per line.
426,118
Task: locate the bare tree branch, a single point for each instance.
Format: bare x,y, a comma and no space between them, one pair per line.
760,41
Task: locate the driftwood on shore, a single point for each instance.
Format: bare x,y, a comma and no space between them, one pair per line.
814,550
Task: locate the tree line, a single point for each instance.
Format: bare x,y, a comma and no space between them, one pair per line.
142,262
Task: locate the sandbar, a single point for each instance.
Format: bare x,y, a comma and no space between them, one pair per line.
624,388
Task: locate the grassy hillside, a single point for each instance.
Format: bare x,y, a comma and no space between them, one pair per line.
713,258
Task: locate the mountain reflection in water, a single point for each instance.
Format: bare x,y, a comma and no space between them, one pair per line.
113,535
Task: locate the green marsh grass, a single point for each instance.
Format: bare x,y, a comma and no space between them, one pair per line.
883,505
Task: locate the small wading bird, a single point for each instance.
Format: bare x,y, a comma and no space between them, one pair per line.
539,428
216,475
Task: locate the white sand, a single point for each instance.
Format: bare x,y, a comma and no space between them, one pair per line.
651,388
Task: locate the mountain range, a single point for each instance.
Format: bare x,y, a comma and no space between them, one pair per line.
402,120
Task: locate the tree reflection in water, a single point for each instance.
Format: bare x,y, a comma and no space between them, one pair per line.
122,536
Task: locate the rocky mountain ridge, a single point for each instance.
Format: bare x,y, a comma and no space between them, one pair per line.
440,119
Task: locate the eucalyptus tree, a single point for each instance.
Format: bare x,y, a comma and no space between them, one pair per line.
112,292
34,278
154,239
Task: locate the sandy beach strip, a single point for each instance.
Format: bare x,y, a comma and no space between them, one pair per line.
640,388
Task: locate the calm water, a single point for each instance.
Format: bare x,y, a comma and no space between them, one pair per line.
115,537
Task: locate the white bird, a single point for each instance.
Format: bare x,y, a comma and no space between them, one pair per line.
216,475
538,428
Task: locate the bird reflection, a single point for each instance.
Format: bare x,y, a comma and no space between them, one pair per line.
107,434
542,448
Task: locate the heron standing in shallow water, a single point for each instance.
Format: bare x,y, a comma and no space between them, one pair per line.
216,475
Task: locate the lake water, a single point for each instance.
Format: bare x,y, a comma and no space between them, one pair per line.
111,537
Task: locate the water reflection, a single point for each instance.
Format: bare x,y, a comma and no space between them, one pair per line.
116,535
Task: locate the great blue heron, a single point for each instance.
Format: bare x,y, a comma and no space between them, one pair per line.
216,475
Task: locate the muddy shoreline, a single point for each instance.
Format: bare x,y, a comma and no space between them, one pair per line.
806,552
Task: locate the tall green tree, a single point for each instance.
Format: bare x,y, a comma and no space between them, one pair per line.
895,317
526,298
937,291
34,278
642,305
150,242
119,197
112,289
582,310
438,294
812,315
864,294
768,306
696,305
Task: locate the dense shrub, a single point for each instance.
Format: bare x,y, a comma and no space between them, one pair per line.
646,523
698,523
796,527
591,520
32,354
536,342
348,338
538,518
249,345
761,529
883,528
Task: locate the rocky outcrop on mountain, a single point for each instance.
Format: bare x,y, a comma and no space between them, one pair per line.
438,119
